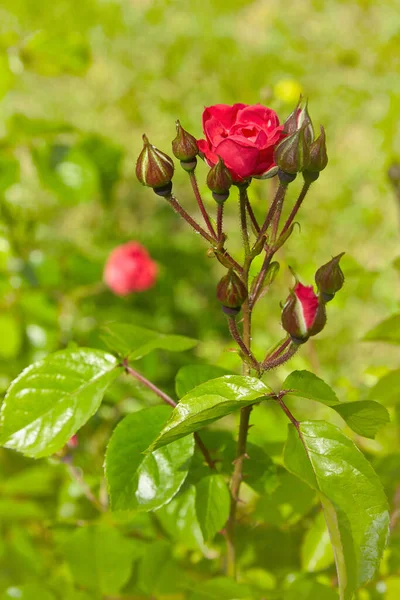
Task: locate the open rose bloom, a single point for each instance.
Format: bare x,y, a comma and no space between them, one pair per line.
243,136
129,268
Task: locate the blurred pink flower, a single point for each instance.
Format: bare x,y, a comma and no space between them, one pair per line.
129,268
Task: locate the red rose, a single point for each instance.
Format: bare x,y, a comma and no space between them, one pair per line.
129,268
243,136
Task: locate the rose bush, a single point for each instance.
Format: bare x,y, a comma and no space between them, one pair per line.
129,268
243,136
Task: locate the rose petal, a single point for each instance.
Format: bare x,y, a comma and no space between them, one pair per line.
264,117
309,302
224,113
240,158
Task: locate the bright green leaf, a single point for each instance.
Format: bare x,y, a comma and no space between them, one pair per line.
30,591
259,470
209,402
212,505
145,482
10,336
53,398
190,376
365,417
100,558
36,481
387,389
158,573
316,550
351,494
387,331
178,518
135,342
50,54
304,589
222,588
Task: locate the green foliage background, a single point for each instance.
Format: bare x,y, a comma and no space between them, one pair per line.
79,84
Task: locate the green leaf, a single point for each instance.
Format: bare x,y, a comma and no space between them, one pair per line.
158,573
304,589
35,481
11,337
222,588
145,482
53,398
190,376
212,505
100,558
135,342
365,417
351,494
316,550
209,402
387,331
179,519
387,389
259,470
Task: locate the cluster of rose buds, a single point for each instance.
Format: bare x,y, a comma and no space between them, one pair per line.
241,143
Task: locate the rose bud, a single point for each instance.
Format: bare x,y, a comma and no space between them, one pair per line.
231,292
155,169
219,180
129,268
292,154
329,278
318,158
303,315
297,119
243,136
185,148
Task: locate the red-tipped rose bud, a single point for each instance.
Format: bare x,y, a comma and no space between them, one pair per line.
231,292
303,315
292,154
329,278
219,180
154,168
299,118
185,148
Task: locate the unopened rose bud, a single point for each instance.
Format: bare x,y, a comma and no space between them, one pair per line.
299,118
303,315
329,278
292,154
219,181
154,168
231,292
185,148
318,158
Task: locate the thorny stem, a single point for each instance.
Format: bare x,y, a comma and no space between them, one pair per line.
251,214
182,212
261,278
220,215
243,219
200,203
287,411
279,197
238,339
171,402
282,358
278,351
296,207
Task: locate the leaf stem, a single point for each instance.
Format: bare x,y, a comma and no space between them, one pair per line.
200,203
287,411
220,216
200,444
269,364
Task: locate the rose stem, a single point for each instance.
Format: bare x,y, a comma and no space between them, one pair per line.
243,219
237,475
238,339
199,199
260,278
296,207
251,213
279,197
171,402
182,212
282,358
278,350
220,216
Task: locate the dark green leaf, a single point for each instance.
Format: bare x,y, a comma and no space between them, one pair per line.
53,398
351,494
387,331
145,482
259,470
212,505
135,342
209,402
365,417
190,376
316,550
99,557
